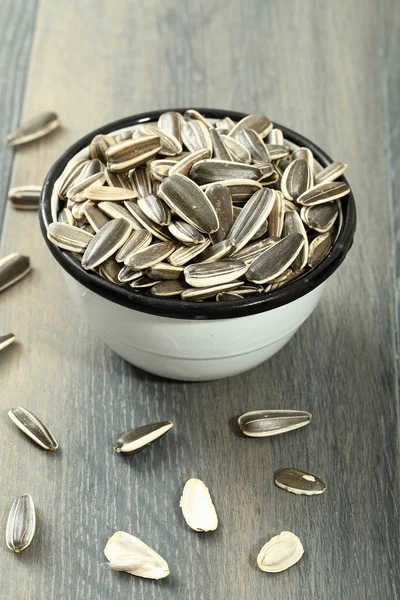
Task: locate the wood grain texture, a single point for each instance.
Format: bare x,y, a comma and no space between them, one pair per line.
93,63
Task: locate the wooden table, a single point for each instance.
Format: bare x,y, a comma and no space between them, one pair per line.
328,70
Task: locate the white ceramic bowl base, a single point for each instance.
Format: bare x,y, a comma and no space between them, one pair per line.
191,349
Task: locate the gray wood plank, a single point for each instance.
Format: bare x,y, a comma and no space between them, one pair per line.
17,20
339,366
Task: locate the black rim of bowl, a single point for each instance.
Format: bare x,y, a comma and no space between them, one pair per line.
176,308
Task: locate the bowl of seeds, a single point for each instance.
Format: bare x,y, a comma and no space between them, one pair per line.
196,241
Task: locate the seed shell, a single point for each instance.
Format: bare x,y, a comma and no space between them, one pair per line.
278,151
240,189
171,122
6,340
69,175
117,211
199,294
66,216
33,427
217,251
255,145
299,482
170,146
264,423
166,289
136,439
91,172
25,197
294,224
220,197
261,124
127,155
101,193
324,192
184,166
13,267
126,274
96,217
276,259
106,242
215,273
127,553
110,270
251,251
320,217
220,150
331,172
99,145
184,253
304,154
195,135
138,240
296,179
118,180
140,178
150,256
164,271
185,233
319,247
251,218
212,170
34,128
236,150
280,553
194,114
276,216
197,506
275,137
145,223
21,524
155,209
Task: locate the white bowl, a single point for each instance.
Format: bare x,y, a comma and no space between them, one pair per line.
193,341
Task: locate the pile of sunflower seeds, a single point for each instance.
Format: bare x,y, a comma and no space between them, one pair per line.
198,210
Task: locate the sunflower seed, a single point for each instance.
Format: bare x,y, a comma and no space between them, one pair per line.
100,193
150,256
13,267
32,427
280,553
215,273
106,242
99,145
220,197
275,137
129,154
71,172
118,180
331,172
259,123
228,296
217,251
96,217
225,123
277,151
166,289
21,524
240,189
138,240
264,423
186,163
185,233
34,128
136,439
320,217
169,144
164,271
276,216
276,259
122,136
25,197
296,179
87,227
324,192
143,283
252,216
145,223
126,274
254,144
319,247
184,254
6,340
212,170
78,211
220,151
195,135
92,171
117,211
261,231
127,553
251,251
236,150
68,237
294,224
140,178
299,482
110,270
194,114
155,209
304,154
171,123
160,168
197,507
185,197
199,294
66,216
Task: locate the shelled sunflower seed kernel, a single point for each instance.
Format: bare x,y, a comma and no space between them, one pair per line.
215,204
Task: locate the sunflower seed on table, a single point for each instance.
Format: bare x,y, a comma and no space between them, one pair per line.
155,209
296,179
99,145
186,198
91,172
126,274
150,256
299,482
106,242
195,135
34,128
169,144
118,180
304,154
171,122
143,283
127,553
275,137
185,233
240,189
324,192
191,113
251,251
217,251
6,340
136,439
276,216
117,211
330,173
276,259
259,123
166,289
252,216
185,253
127,155
293,224
212,170
215,273
183,166
140,177
236,150
255,145
320,217
110,270
220,197
33,427
281,552
197,507
13,267
164,271
21,524
138,240
145,223
277,151
319,247
200,294
225,123
220,151
66,216
264,423
25,197
101,193
95,217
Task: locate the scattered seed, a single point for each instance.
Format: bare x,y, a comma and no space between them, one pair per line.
13,267
21,524
280,553
33,427
197,507
127,553
264,423
299,482
25,197
137,439
34,128
6,340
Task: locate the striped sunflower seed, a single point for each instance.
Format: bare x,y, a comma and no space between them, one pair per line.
299,482
99,193
194,114
197,507
87,227
96,217
21,524
6,340
220,197
140,178
155,209
236,150
184,166
106,242
240,189
138,240
167,289
199,294
252,216
110,270
212,170
215,273
228,296
127,155
34,128
126,274
324,192
304,154
296,179
264,423
251,251
143,283
255,145
275,137
92,171
127,553
170,146
25,197
185,197
280,553
278,151
185,233
150,256
160,169
137,439
69,237
145,223
320,217
259,123
66,216
217,251
276,259
220,151
118,180
117,211
195,135
71,172
184,254
171,122
319,247
13,267
164,271
225,123
276,216
78,210
33,427
99,145
294,224
331,172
